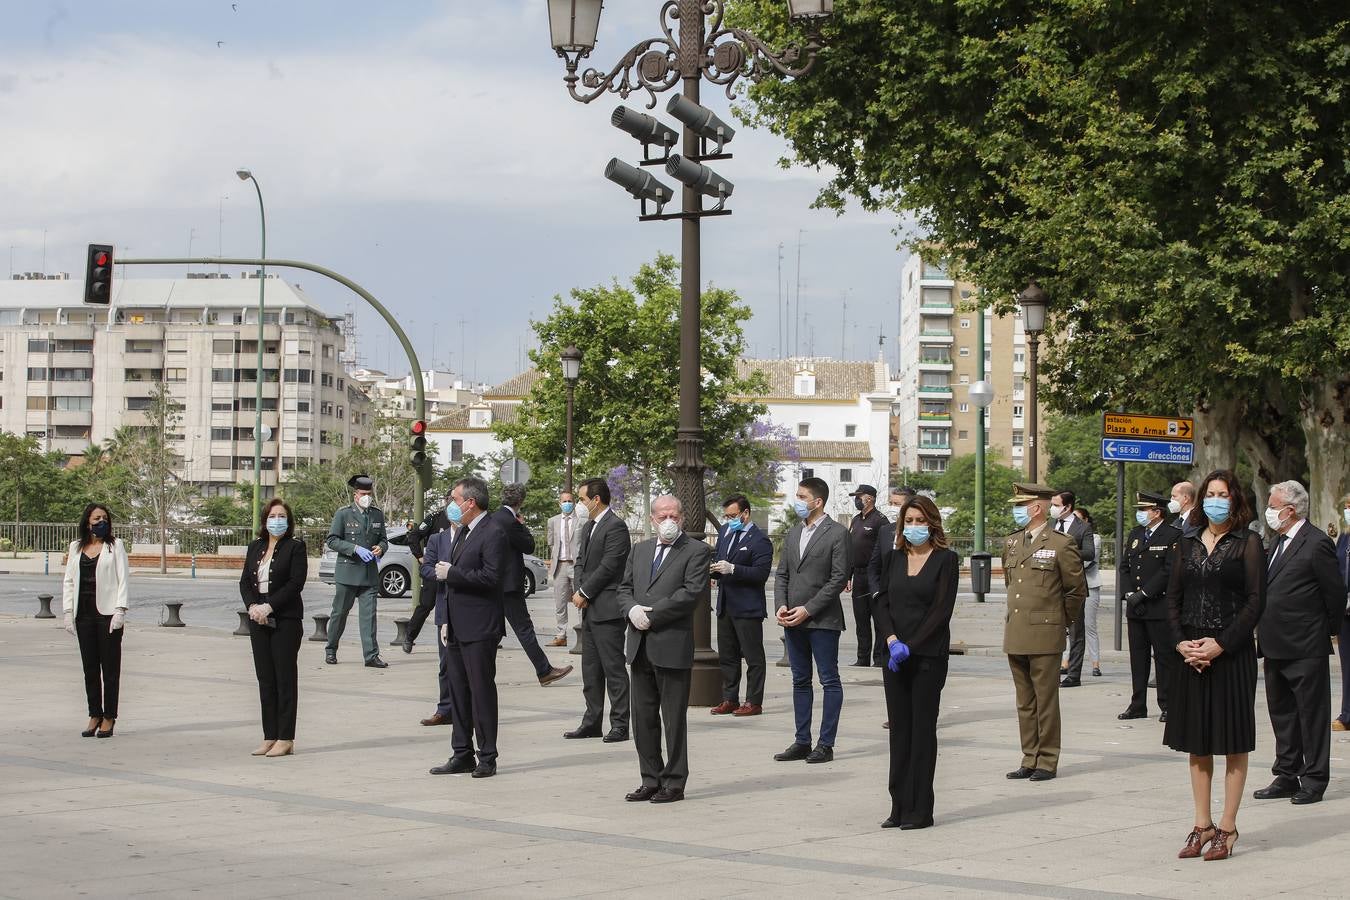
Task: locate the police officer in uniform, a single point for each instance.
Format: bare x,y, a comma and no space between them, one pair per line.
1144,570
863,532
357,536
1046,589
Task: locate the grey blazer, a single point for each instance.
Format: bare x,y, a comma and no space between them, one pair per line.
816,579
673,597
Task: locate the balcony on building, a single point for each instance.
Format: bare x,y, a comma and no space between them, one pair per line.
936,301
934,274
935,359
935,392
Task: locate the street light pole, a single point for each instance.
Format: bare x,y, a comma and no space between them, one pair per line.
571,368
246,175
1034,301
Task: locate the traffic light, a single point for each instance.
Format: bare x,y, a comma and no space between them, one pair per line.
418,455
98,274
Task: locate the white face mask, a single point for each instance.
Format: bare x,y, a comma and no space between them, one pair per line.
668,530
1345,514
1174,507
364,501
1056,512
1273,518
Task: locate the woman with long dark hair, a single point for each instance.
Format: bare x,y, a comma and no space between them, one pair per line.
913,611
274,573
1215,596
94,596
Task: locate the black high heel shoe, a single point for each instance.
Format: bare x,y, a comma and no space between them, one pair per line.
112,723
92,729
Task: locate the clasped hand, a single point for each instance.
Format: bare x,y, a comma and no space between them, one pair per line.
259,612
792,616
638,616
899,651
723,567
579,600
364,555
442,570
1199,655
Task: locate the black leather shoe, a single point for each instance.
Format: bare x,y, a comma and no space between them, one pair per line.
582,733
1132,713
862,663
1096,672
1277,790
455,765
407,645
1304,797
485,770
794,753
1070,681
891,822
910,826
1019,773
668,795
616,736
821,754
642,794
376,663
1162,716
1042,775
330,657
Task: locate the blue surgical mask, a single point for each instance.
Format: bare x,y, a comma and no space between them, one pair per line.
567,507
453,512
916,534
101,529
1021,515
1216,509
1142,517
277,525
734,525
800,508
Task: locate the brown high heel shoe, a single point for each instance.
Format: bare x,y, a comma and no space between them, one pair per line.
93,726
281,748
108,732
1222,846
1196,841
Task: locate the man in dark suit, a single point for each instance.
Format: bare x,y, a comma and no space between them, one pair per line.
520,541
814,567
1342,722
469,571
605,545
1183,499
432,525
1305,602
1066,523
886,535
864,530
662,582
1144,568
744,559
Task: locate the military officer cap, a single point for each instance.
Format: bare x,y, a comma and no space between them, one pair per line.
864,489
361,483
1025,493
1149,500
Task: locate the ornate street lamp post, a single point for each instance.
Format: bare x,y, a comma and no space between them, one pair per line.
571,369
695,43
1034,301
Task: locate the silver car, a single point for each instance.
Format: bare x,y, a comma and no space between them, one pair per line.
397,565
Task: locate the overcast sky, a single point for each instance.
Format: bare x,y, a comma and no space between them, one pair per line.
428,150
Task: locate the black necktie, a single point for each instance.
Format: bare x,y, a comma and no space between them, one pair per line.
1279,548
458,542
660,556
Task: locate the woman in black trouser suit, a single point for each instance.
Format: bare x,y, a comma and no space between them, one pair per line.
274,574
94,594
913,609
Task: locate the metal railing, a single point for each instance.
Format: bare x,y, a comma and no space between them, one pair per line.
38,537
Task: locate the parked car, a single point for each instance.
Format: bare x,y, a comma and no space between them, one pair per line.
397,565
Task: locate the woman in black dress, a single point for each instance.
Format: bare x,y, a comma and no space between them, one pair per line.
913,609
274,573
1215,596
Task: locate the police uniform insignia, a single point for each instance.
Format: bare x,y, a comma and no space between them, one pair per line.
1134,543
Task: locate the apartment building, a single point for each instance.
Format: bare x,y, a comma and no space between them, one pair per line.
72,374
939,360
396,395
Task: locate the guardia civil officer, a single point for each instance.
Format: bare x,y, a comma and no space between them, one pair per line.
1046,590
1144,569
357,536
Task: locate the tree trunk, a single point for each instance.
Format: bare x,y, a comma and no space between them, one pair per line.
1324,416
1217,423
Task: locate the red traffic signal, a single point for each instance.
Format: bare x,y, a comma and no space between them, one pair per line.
98,274
419,427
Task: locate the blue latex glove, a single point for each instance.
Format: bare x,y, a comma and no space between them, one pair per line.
364,555
899,653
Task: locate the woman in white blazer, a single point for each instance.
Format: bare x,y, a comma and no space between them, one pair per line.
94,597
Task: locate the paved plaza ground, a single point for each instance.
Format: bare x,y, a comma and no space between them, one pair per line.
175,806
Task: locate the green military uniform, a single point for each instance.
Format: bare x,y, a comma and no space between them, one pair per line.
356,580
1046,590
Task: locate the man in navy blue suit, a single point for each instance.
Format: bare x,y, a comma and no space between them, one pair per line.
1342,722
744,561
469,571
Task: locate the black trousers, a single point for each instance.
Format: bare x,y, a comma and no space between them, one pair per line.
913,696
472,667
426,602
603,670
518,614
1298,692
660,702
862,620
1150,640
101,655
739,639
274,660
1077,647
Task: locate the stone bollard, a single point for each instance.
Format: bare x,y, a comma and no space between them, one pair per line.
783,663
173,620
400,634
45,607
576,645
243,623
320,629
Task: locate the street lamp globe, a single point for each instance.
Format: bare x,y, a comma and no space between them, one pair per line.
982,394
1034,300
809,9
571,363
244,174
573,25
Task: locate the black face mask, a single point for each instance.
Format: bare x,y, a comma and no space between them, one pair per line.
857,503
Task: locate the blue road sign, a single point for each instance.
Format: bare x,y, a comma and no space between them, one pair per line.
1144,451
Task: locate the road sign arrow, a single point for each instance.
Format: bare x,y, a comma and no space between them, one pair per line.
1110,446
1185,428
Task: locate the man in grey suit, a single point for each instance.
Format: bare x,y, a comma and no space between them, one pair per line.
564,543
816,563
659,593
600,565
1065,522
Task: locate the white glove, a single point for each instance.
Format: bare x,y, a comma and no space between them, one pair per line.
119,619
723,567
638,616
445,635
70,623
442,569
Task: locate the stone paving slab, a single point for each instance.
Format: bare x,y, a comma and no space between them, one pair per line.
175,805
